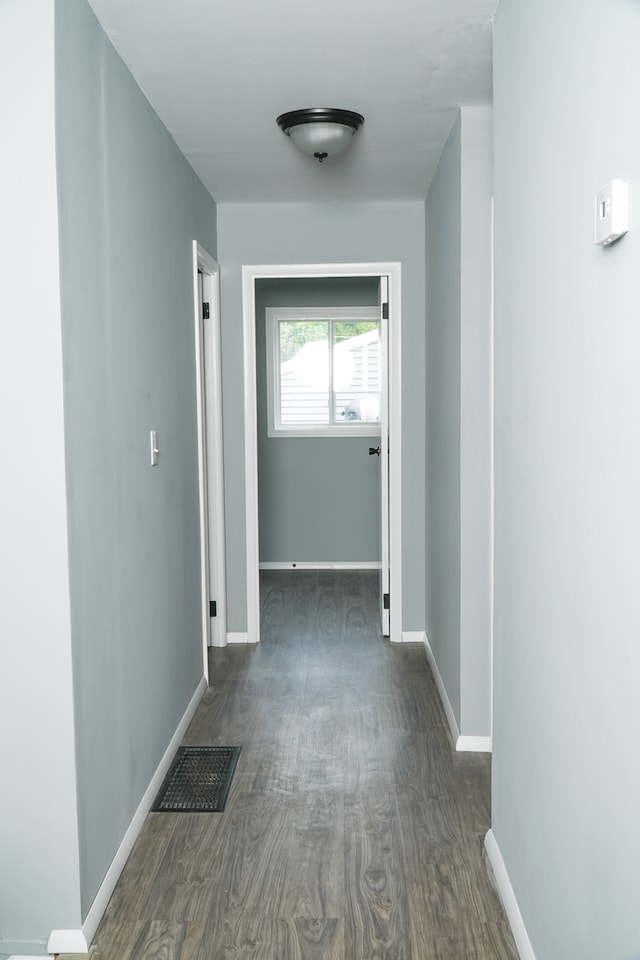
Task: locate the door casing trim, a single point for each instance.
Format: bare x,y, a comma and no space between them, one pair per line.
210,450
251,273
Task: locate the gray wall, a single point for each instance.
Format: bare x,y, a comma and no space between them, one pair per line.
566,779
459,414
100,620
325,233
476,415
443,219
130,207
39,864
319,497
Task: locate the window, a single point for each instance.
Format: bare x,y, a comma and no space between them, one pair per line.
323,371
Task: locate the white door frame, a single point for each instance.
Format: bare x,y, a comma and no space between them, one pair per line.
385,585
251,273
210,449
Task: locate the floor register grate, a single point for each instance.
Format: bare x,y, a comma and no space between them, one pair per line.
198,780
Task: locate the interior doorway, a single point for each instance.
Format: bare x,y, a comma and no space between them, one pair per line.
382,439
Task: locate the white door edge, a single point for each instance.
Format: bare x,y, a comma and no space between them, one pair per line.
394,400
210,448
385,586
251,273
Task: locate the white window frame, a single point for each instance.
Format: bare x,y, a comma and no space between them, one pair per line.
273,315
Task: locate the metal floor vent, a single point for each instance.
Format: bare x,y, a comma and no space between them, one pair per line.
198,781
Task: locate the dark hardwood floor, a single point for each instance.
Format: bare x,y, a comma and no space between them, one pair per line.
352,830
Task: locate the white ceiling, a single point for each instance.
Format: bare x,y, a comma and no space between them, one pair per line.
218,73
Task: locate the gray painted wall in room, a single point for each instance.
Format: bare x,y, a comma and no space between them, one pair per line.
566,780
319,497
443,222
130,207
325,233
39,867
459,414
476,414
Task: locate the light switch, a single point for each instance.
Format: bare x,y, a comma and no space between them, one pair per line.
153,437
612,212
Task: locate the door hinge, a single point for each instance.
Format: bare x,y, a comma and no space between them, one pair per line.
386,603
205,311
385,311
213,608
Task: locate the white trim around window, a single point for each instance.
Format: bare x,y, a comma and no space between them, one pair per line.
333,315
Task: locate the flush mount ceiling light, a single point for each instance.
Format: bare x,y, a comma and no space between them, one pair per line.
320,132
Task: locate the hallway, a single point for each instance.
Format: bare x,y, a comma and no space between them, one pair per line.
352,830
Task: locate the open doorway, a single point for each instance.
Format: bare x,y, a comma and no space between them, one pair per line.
334,532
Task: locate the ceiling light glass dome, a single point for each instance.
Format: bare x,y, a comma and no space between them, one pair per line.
320,132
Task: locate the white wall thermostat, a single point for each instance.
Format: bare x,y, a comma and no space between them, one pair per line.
612,212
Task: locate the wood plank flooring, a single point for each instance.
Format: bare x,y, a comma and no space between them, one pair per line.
352,830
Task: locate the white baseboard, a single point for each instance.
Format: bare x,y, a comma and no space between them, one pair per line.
413,636
238,637
71,944
22,956
442,690
508,898
74,941
474,744
322,565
